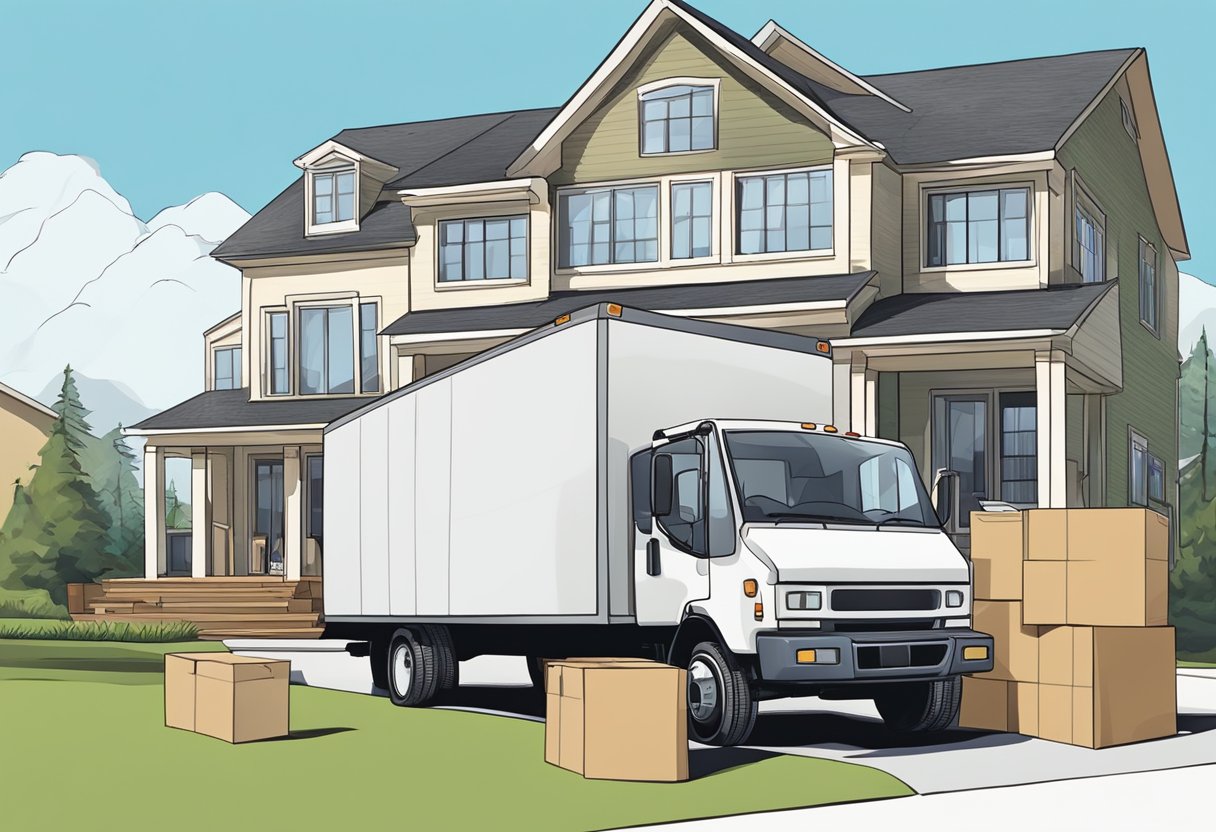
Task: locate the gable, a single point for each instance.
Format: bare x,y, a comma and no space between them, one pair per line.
755,128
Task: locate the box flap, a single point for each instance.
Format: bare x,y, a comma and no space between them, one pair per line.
232,668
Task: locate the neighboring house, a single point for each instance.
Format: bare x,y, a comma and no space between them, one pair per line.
24,427
992,250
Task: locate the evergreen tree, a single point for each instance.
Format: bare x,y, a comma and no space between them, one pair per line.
111,468
177,513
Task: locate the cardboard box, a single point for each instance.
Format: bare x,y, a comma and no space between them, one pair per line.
1046,531
998,705
1100,593
1122,689
1024,708
232,698
1015,645
997,546
1106,534
617,719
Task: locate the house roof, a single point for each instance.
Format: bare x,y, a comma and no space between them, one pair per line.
957,113
34,405
232,408
1054,308
749,293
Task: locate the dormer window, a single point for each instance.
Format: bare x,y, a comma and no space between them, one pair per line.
678,117
333,196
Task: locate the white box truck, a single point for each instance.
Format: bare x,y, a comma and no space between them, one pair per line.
633,484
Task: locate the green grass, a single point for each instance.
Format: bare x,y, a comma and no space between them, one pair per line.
1196,664
120,631
349,757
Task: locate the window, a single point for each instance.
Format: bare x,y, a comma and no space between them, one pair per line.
1148,285
483,249
226,371
685,523
1129,121
327,362
609,225
333,197
1156,479
785,212
369,352
888,485
677,119
1019,461
1138,473
692,214
277,326
978,227
1089,251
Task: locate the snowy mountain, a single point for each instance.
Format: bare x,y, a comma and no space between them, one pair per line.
83,281
1196,310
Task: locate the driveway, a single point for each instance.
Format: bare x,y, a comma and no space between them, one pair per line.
850,731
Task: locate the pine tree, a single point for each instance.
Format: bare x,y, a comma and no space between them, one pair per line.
111,468
177,513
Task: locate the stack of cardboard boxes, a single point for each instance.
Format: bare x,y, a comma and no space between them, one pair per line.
1075,600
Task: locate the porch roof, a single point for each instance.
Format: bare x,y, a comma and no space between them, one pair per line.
216,409
742,294
1055,308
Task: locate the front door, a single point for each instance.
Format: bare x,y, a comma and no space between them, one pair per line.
266,552
960,443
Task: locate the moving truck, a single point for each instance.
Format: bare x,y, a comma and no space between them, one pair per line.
626,483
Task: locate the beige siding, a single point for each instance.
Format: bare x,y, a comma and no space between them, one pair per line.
861,185
24,431
886,229
754,128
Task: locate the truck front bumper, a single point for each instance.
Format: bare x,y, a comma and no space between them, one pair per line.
858,657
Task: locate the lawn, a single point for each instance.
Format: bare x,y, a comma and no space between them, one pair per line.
83,725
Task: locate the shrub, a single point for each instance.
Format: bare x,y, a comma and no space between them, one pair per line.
164,631
32,603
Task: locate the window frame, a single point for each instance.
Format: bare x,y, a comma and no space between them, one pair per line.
268,339
1084,203
310,196
714,84
1136,441
671,220
928,191
297,313
292,310
360,304
1013,397
234,362
1153,326
560,225
736,202
485,282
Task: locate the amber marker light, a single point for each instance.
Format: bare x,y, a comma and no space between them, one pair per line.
614,309
975,653
750,587
851,433
831,429
823,346
809,426
805,656
564,319
759,611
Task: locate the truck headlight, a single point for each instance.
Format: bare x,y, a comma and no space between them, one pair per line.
803,600
954,598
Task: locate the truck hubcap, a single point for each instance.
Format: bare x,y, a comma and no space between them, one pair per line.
702,690
402,670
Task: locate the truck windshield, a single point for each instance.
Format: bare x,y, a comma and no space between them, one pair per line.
789,476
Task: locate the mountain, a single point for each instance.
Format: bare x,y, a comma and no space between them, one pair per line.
111,402
84,281
1196,310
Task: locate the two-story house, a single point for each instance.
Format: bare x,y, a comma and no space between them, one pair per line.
991,249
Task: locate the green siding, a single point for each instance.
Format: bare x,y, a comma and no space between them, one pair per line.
755,129
1108,162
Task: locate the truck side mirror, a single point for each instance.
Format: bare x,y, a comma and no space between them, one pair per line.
943,495
664,485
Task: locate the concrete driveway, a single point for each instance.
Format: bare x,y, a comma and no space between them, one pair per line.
850,731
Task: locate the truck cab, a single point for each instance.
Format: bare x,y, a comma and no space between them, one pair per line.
797,559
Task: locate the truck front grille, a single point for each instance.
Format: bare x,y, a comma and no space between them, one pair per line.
884,600
875,656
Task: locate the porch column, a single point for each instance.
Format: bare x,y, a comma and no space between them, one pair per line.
293,529
1051,428
154,511
863,398
199,525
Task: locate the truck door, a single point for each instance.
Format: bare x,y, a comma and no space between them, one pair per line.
671,548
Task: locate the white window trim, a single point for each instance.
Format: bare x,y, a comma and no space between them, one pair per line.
214,378
1140,246
292,308
654,86
714,220
315,229
267,356
927,190
801,254
1082,199
487,283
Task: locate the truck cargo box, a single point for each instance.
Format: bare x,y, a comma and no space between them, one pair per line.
497,489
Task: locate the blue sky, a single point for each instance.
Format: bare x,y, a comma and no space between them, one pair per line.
177,98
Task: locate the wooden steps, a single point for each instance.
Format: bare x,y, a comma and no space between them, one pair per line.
230,607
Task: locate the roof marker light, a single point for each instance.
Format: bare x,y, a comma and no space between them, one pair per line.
564,319
614,309
809,425
851,433
823,346
831,429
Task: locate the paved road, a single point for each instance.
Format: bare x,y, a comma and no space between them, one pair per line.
948,762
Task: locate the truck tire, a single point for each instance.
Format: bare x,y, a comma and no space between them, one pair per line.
536,672
413,674
916,707
377,657
721,710
446,664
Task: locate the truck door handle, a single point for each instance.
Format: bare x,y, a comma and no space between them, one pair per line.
653,566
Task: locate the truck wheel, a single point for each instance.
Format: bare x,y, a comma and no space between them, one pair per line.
377,656
721,710
921,706
446,664
412,671
536,672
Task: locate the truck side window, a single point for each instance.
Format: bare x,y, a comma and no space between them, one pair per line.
685,525
639,486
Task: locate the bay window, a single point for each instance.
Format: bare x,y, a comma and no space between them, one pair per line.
1089,242
326,349
978,226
